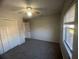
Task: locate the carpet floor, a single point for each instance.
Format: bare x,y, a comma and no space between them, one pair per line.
34,49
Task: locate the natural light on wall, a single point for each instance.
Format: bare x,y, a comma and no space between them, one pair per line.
71,31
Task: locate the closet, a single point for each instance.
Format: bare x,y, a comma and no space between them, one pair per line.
1,47
3,33
9,35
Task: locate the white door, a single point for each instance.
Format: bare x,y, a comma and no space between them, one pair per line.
21,32
4,36
1,45
12,32
9,35
27,30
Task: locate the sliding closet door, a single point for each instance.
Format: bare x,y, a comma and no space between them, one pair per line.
21,32
9,35
12,32
1,45
4,40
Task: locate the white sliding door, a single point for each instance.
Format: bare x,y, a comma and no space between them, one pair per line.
21,32
1,45
9,35
4,36
12,33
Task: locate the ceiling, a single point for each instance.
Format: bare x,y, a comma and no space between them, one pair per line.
46,7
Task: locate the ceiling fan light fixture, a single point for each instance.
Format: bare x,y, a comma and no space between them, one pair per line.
29,8
29,11
29,14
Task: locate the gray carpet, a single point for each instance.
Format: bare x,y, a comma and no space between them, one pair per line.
34,49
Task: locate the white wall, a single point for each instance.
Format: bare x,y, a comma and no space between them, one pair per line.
45,28
1,47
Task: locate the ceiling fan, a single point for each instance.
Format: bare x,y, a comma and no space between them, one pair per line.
28,10
32,12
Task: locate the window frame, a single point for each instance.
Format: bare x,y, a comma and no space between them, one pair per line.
65,38
69,51
65,43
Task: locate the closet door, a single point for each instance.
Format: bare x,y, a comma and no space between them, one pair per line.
9,35
4,40
27,30
1,45
12,32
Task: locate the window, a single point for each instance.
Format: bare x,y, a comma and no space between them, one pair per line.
68,29
69,32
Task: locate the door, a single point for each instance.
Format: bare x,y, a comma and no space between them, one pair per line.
27,30
9,35
1,45
4,36
12,33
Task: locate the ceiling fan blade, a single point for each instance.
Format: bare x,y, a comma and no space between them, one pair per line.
14,8
39,8
43,9
17,8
